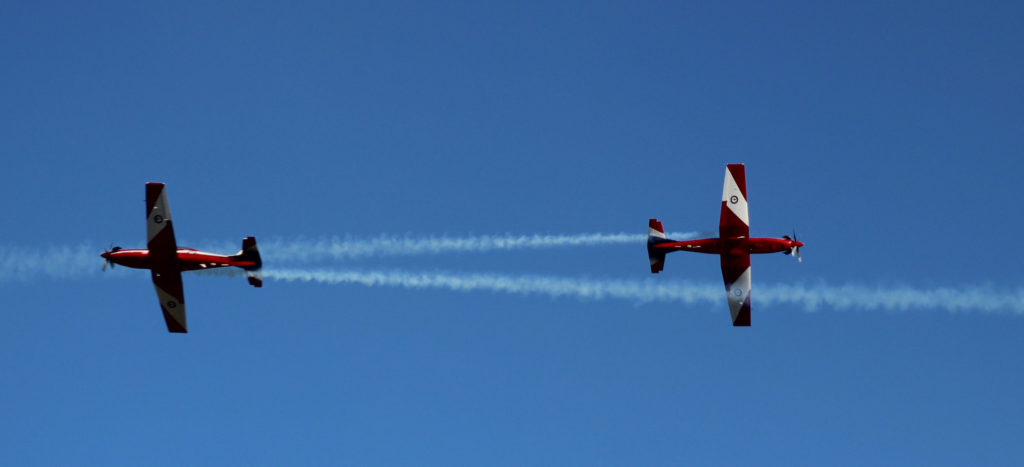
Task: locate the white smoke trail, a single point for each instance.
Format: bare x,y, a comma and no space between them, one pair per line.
810,297
25,263
304,251
59,262
71,262
526,285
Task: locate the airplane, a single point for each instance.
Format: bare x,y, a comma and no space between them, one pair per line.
733,244
166,261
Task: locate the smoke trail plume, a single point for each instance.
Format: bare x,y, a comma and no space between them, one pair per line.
24,263
58,262
809,297
304,251
71,262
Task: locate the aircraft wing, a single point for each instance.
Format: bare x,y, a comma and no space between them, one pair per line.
171,293
736,274
163,250
163,258
734,221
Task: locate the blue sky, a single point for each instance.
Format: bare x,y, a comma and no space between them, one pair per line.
887,134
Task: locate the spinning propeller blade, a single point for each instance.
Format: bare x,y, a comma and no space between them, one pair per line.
795,251
107,261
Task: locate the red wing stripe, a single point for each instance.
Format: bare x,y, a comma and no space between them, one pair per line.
739,175
731,226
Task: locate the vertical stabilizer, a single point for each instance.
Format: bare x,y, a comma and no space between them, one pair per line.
655,236
250,254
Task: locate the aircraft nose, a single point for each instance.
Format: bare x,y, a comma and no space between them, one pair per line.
105,255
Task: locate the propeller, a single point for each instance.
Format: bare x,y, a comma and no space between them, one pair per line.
796,249
106,256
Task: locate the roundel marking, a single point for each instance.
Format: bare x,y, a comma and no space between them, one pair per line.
158,218
172,304
737,292
734,199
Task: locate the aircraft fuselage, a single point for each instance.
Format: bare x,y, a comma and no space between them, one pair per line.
737,245
188,259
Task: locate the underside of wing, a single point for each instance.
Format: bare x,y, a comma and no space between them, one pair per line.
163,258
159,229
734,220
736,274
171,293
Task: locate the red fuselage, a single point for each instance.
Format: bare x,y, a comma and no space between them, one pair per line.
188,259
735,245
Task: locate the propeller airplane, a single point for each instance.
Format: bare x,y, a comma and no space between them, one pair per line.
166,261
733,244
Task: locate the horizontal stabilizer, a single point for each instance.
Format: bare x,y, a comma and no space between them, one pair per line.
657,262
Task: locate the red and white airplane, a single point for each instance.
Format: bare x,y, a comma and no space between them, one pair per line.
166,261
734,244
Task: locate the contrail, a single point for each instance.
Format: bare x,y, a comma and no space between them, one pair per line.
810,297
304,251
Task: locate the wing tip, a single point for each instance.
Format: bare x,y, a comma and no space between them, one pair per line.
742,318
738,174
173,326
174,317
